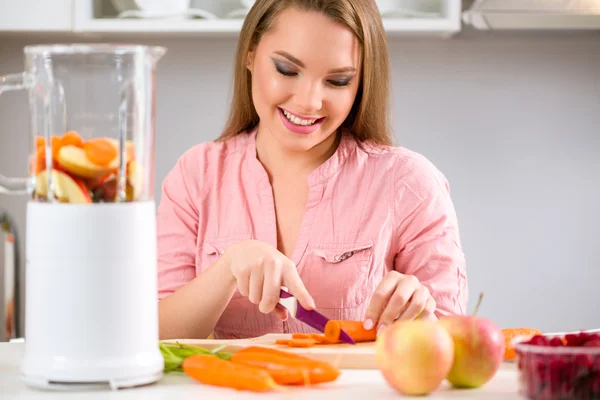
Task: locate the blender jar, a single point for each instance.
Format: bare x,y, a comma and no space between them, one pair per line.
92,123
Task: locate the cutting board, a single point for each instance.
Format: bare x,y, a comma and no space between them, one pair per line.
341,355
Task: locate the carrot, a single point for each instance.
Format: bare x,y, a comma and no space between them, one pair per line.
301,335
282,341
270,350
510,334
71,138
214,371
100,151
308,342
56,145
318,337
287,370
355,329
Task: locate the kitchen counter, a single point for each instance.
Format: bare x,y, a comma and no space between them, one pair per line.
360,384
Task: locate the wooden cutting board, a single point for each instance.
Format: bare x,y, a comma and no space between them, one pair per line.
342,355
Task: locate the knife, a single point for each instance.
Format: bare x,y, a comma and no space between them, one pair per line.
312,318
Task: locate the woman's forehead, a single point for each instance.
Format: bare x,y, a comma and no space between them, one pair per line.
313,38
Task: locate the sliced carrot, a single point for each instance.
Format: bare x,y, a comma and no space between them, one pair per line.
40,141
56,145
100,151
301,335
354,329
71,138
288,370
318,337
282,341
302,342
214,371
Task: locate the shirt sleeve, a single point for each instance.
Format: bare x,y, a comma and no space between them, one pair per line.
177,230
428,236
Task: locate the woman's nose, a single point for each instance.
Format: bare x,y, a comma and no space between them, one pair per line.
309,98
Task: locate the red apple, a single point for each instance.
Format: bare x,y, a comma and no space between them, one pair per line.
414,356
478,350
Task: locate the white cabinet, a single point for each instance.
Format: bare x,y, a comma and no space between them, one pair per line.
99,19
36,15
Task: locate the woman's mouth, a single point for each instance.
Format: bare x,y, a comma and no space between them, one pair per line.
299,125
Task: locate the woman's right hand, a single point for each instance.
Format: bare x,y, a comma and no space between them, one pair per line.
260,271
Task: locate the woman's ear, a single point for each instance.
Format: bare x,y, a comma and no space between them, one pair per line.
250,61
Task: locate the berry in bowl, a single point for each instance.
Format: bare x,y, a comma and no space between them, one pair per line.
557,367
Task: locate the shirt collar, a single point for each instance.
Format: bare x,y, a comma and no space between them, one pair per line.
319,175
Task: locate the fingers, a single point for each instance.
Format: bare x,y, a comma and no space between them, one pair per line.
243,280
281,312
399,301
256,284
416,304
380,299
292,281
428,312
271,285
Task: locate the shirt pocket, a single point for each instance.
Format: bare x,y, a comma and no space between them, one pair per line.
337,275
213,248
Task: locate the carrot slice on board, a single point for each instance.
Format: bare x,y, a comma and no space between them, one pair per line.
302,342
318,337
100,151
282,341
301,335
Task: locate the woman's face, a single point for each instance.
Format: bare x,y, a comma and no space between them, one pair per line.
305,76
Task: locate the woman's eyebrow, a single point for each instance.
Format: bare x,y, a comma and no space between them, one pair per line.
302,65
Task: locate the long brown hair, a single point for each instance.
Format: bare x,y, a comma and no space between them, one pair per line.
369,116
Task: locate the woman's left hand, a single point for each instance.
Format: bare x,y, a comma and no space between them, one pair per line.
401,297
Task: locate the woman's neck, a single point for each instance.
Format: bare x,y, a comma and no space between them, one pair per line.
279,162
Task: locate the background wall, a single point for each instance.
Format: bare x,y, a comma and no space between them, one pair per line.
512,120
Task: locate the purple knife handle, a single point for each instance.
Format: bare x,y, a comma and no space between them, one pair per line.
284,294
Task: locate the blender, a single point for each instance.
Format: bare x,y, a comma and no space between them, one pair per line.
91,309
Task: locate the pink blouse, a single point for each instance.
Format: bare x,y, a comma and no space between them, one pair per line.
370,209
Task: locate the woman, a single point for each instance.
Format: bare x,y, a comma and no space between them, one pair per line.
304,191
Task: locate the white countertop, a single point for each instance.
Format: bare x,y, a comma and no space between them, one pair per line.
361,384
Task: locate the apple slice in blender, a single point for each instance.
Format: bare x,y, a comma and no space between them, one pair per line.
66,188
74,160
135,181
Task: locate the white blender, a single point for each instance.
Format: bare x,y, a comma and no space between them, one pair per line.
91,309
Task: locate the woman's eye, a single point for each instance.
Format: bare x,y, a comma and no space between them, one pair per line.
339,83
283,71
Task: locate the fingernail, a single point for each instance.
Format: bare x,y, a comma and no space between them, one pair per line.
368,324
380,329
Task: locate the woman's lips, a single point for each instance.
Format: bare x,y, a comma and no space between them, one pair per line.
300,129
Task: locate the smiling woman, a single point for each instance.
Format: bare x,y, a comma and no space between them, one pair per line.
304,190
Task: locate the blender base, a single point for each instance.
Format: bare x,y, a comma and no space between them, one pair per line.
91,309
115,384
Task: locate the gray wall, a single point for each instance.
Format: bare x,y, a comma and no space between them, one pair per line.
512,119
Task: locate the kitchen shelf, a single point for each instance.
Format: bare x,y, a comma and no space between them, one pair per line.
231,27
93,18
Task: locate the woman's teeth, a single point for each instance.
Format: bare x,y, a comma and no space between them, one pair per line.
298,121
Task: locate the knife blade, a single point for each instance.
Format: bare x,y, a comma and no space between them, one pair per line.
312,318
